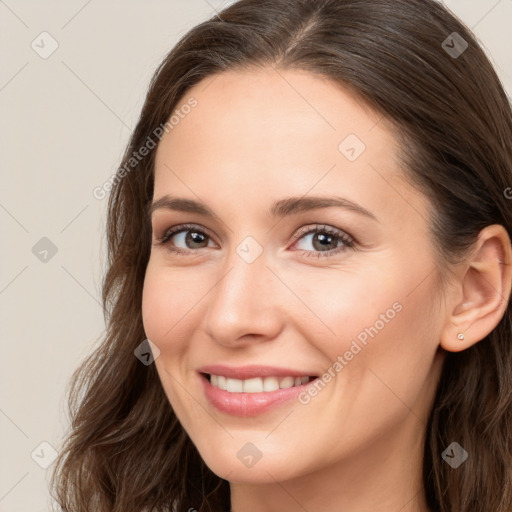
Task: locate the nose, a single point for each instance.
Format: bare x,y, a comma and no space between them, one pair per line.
244,304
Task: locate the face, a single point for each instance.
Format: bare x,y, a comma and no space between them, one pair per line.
345,292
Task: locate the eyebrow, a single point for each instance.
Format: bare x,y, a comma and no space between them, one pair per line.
281,208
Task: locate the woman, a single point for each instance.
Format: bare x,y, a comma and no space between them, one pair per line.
309,274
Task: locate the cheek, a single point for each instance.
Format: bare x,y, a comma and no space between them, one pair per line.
167,313
154,300
167,304
346,305
381,321
390,353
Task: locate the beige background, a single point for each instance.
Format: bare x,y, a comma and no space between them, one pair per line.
64,123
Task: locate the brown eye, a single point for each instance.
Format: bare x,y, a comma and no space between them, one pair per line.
193,239
184,239
323,241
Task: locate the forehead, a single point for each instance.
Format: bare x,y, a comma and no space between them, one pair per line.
261,106
263,133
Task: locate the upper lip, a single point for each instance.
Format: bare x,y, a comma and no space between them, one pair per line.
252,371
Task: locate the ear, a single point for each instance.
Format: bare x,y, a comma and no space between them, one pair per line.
481,291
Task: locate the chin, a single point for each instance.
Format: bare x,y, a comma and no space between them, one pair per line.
265,470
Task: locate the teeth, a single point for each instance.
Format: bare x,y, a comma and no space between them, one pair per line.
221,382
287,382
253,385
257,384
235,385
270,383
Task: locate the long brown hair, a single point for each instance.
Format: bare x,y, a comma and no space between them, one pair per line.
126,450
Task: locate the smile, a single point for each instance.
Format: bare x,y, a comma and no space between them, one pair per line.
256,384
253,395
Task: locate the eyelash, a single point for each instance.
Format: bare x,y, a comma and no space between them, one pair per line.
348,241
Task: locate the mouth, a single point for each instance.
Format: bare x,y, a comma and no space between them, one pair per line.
256,384
252,396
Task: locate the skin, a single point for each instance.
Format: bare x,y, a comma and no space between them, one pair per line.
257,136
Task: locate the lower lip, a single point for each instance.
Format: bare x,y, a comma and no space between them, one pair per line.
249,404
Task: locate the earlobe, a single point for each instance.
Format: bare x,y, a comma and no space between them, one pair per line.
483,291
